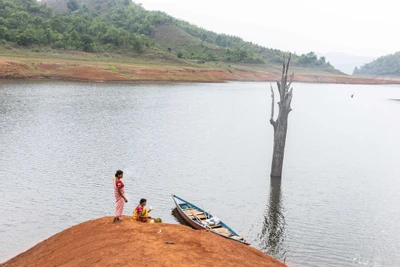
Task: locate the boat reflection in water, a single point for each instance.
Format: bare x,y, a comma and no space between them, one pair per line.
175,214
272,235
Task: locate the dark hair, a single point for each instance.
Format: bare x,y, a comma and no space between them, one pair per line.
143,200
119,172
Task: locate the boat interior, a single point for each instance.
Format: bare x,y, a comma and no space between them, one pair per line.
200,217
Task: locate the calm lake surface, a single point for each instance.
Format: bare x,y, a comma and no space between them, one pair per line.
336,205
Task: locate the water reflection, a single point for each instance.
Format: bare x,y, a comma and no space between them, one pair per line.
175,214
273,232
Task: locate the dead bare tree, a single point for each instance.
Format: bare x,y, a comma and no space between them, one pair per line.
281,123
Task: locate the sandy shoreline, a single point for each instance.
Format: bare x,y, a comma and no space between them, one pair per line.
92,71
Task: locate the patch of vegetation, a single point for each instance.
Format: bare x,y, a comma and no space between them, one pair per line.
384,66
113,69
123,27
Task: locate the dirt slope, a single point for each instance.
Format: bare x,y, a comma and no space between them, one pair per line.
95,71
130,243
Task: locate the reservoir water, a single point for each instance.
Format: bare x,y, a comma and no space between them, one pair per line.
337,203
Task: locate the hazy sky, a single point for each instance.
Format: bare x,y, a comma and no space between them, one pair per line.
364,28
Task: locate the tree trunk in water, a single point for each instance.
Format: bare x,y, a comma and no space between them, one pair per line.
281,123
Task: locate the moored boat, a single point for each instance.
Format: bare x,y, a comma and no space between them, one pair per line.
202,220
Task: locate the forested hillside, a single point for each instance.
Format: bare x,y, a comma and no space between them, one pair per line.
122,26
384,66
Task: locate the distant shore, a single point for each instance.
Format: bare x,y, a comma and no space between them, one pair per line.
99,71
129,243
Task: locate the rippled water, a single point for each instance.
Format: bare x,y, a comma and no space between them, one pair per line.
337,204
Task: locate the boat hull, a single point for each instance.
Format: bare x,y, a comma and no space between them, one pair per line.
189,221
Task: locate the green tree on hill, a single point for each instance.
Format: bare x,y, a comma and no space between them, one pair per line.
3,33
72,5
87,43
384,66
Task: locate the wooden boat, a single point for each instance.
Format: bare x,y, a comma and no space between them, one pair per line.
202,220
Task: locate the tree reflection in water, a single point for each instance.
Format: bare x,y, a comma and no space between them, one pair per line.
272,235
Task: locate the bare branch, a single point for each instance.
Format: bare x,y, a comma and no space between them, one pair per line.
289,99
273,102
272,107
287,65
289,96
284,79
291,80
280,89
283,69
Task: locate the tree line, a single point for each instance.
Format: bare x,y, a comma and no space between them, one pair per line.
27,23
121,25
385,66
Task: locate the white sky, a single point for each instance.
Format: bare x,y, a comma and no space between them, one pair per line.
364,28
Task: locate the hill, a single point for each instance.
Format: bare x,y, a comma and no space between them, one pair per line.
384,66
345,62
130,243
121,26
